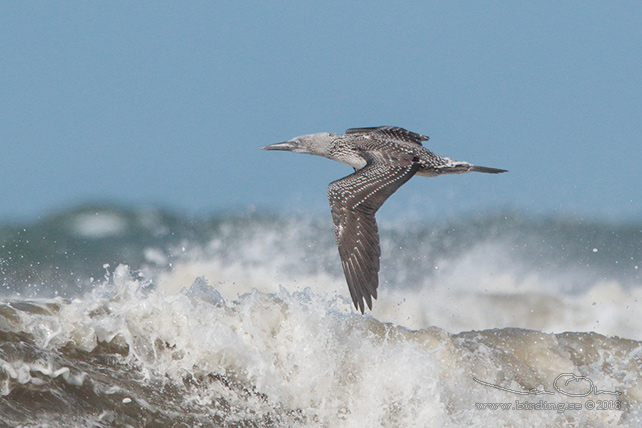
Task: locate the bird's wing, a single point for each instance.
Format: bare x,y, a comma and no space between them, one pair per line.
354,200
390,132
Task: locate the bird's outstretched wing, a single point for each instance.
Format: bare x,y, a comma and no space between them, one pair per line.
354,200
390,132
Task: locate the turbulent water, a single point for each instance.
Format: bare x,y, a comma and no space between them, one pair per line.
117,317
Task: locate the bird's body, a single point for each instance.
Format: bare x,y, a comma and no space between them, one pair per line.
384,158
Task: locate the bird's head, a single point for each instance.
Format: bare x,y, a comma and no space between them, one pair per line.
312,144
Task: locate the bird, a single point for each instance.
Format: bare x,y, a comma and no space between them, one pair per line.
383,158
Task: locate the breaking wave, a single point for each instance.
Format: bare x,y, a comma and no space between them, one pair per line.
112,316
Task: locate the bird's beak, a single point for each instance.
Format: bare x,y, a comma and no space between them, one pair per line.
288,146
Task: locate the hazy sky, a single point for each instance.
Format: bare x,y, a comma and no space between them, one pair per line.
168,103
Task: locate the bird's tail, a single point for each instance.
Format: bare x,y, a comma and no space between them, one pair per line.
460,167
475,168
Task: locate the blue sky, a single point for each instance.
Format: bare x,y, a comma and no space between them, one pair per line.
168,103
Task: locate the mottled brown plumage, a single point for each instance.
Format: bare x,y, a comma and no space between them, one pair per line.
384,158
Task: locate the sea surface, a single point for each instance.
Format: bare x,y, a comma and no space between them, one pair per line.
116,316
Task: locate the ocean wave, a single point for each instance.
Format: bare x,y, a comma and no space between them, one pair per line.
128,354
113,316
